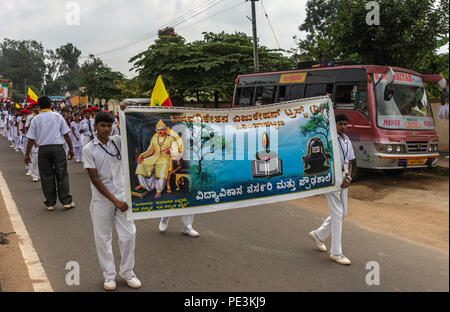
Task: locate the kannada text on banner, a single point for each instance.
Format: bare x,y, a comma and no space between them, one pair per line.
187,160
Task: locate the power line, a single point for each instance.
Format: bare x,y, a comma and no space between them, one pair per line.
155,33
177,21
270,24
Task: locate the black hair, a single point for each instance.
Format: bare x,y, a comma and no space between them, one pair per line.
105,117
340,117
44,102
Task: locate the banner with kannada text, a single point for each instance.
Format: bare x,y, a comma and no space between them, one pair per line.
180,160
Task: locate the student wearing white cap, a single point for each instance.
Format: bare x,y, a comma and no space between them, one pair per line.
337,201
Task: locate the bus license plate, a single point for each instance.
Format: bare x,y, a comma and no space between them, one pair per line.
412,162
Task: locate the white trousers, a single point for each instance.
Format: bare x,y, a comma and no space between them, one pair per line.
77,150
34,166
152,183
104,215
337,203
186,220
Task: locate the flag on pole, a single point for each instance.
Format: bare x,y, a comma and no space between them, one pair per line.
18,106
160,97
31,97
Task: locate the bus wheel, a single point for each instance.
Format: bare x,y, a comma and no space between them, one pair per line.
357,173
395,172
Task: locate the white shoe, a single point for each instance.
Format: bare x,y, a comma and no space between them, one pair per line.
28,173
50,208
190,232
319,244
71,205
133,282
77,160
35,179
341,259
109,285
163,224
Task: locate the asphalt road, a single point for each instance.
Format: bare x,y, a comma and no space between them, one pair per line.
261,248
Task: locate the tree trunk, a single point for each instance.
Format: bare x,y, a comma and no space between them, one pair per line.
198,96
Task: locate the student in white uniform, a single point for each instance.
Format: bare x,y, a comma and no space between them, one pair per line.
87,127
108,207
19,127
337,201
2,120
49,131
33,166
77,140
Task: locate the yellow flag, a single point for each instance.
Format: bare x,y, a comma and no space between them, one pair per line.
31,97
160,97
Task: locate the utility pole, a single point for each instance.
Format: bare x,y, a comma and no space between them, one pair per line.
255,38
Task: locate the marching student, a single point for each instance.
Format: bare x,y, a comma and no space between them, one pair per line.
77,140
33,166
87,126
49,130
337,201
102,159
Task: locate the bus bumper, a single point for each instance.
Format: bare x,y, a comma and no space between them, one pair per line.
392,161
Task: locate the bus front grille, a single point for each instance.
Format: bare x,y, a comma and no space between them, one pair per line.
417,146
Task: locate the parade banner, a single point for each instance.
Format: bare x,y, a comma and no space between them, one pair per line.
180,160
4,87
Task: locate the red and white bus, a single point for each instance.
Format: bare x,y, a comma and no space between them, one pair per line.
391,123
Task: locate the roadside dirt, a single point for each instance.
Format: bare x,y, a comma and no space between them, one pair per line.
413,206
14,275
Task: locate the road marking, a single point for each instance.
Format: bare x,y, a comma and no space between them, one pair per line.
36,271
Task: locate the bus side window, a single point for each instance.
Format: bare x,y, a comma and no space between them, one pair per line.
363,100
313,90
281,94
294,92
345,96
246,95
268,94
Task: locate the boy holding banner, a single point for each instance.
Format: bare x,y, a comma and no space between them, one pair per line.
102,159
337,201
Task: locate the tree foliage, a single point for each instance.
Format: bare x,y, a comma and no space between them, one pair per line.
205,68
22,62
99,80
409,35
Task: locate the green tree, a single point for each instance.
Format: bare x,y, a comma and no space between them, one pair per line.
409,34
22,62
63,71
99,80
205,68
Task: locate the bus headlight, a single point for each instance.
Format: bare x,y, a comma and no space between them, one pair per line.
398,149
434,147
430,149
389,149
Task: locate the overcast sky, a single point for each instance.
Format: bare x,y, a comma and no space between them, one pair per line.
108,24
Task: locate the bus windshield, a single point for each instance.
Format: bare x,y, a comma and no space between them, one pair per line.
403,104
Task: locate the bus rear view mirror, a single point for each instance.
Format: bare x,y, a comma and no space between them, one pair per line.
388,92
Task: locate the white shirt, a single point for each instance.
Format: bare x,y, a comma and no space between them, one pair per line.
109,168
29,118
48,128
346,152
115,130
76,127
85,127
